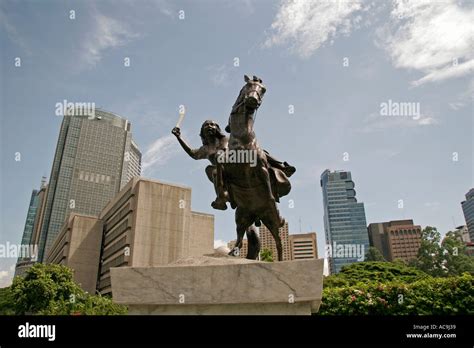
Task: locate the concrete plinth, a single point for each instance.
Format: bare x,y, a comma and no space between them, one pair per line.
220,285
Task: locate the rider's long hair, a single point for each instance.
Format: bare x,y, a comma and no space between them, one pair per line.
203,136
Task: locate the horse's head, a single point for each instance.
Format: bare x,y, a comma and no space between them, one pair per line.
251,94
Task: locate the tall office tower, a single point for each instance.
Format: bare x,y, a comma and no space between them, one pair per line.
39,213
267,241
468,210
25,261
28,238
30,218
344,220
94,159
396,240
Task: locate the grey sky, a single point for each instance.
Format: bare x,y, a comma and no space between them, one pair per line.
334,62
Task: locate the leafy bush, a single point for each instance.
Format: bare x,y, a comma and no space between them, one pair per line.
6,302
374,271
429,296
51,290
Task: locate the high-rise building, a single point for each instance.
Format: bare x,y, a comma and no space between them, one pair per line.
267,241
344,220
39,213
303,246
30,218
468,210
396,240
31,230
25,261
94,159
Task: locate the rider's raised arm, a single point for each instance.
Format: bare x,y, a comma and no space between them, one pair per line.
196,154
200,153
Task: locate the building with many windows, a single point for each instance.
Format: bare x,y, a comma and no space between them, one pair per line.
303,246
267,241
295,246
95,157
396,240
344,220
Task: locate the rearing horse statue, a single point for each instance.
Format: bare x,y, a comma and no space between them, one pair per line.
254,190
244,174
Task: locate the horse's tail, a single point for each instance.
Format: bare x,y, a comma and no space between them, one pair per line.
253,243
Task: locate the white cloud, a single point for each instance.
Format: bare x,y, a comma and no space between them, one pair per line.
375,122
219,243
159,152
432,205
13,33
309,24
107,33
219,74
434,37
427,121
7,276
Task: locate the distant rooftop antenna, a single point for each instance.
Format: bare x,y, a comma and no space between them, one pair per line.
300,224
454,222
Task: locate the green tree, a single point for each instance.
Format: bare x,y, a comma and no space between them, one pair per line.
51,290
455,259
442,259
430,254
373,254
266,255
6,302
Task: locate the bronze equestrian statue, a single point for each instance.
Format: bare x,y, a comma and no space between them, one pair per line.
243,174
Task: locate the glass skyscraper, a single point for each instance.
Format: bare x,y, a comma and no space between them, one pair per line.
345,225
468,210
95,157
30,218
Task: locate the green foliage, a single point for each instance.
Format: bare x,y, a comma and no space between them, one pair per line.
455,259
442,259
373,254
266,255
429,258
373,271
429,296
51,290
6,302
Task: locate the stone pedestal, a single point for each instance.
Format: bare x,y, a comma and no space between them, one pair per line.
221,285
